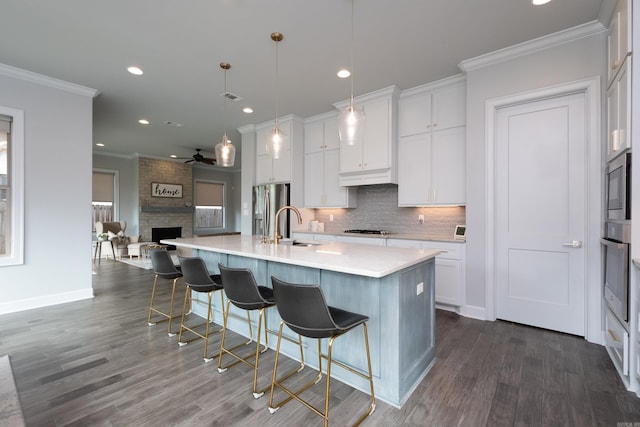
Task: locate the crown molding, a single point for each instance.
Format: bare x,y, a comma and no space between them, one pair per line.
40,79
532,46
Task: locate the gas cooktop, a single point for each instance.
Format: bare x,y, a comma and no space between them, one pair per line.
360,231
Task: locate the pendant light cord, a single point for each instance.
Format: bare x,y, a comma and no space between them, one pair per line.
225,106
352,49
277,85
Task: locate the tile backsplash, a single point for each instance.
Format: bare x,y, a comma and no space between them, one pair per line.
378,209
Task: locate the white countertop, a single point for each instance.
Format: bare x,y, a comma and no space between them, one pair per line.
350,258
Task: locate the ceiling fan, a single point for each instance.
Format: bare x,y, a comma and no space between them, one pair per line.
199,158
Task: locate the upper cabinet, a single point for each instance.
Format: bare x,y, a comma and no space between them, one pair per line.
289,164
619,38
427,111
431,147
619,81
322,188
373,161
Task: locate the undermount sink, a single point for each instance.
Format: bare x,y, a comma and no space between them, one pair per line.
299,243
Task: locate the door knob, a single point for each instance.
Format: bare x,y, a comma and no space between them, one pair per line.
573,244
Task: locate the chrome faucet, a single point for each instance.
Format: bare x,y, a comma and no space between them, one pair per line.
276,236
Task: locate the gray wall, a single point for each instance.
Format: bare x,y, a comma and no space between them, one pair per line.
57,199
583,58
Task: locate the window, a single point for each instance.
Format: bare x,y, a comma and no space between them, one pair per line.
209,198
11,186
103,196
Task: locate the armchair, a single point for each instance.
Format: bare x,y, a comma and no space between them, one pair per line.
115,233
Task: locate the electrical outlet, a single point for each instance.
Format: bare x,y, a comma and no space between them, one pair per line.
331,218
421,219
420,288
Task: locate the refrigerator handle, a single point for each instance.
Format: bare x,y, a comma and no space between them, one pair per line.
267,214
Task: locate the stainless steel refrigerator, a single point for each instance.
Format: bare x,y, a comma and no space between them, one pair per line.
267,199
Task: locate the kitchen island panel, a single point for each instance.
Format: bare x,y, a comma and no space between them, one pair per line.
401,322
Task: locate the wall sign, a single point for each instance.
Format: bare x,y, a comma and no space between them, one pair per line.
166,190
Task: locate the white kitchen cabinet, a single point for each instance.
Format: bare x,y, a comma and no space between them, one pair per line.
440,105
619,112
374,160
619,40
283,169
322,188
449,268
431,147
432,168
374,241
617,344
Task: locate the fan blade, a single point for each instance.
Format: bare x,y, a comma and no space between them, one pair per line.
209,161
189,161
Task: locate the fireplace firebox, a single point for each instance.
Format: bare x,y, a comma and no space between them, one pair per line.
161,233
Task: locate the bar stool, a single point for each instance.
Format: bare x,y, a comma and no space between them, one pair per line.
198,279
241,289
304,310
163,267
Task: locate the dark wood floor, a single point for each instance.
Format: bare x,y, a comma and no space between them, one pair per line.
97,363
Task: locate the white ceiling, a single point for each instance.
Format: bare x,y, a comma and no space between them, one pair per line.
180,43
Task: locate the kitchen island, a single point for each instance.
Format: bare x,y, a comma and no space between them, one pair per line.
393,286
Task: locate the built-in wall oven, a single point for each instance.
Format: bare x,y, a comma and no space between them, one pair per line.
616,268
618,188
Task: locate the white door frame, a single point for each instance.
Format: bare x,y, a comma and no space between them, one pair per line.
594,172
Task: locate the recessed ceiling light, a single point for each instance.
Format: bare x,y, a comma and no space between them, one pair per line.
174,124
135,70
173,156
100,144
344,73
143,121
247,110
539,2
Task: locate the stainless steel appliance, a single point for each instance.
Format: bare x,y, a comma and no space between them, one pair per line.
618,190
267,199
616,268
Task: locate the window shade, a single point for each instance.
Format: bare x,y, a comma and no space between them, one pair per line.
209,194
5,124
103,187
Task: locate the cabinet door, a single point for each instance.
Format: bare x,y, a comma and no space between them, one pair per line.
264,166
331,138
414,170
414,114
448,167
282,166
373,241
377,138
448,281
313,137
314,179
335,195
449,108
613,41
618,113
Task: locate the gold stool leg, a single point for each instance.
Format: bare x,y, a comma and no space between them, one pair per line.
153,294
173,291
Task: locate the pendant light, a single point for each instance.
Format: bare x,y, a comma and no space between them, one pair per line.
275,144
351,120
225,151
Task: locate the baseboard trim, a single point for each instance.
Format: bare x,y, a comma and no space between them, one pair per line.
44,301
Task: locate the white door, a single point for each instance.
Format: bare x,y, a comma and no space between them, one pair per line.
541,213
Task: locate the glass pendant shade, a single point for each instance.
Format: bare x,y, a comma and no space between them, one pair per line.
275,144
225,152
351,125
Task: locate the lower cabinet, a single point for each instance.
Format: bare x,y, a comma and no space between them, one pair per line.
617,343
449,268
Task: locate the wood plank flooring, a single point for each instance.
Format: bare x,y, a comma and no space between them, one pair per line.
97,363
